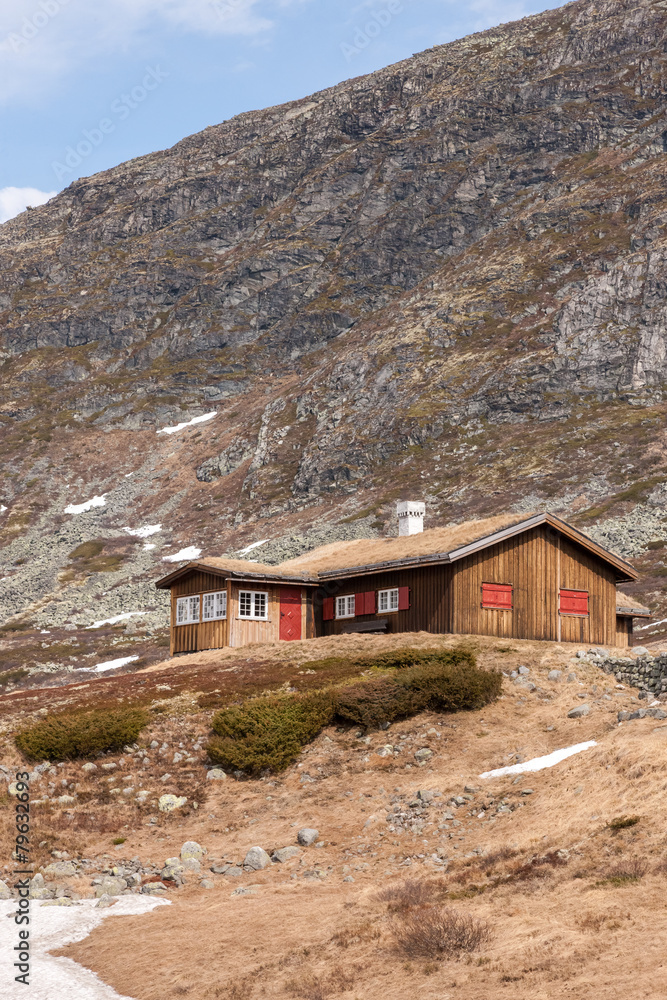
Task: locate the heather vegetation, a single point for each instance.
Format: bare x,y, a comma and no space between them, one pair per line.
74,734
268,733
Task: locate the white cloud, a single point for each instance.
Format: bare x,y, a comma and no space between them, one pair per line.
14,200
44,41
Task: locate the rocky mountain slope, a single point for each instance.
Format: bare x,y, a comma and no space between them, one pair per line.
444,280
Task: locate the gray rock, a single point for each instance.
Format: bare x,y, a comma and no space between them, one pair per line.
167,803
5,891
423,754
640,650
191,849
207,883
425,795
89,767
523,670
246,890
192,865
110,886
579,711
571,677
154,888
554,675
106,900
38,888
348,878
307,836
216,774
256,858
60,869
234,871
285,854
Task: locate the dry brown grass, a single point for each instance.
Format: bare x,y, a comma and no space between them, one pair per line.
549,941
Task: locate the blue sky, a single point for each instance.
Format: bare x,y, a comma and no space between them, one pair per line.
86,84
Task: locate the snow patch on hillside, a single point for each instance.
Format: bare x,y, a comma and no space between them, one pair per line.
145,532
188,423
81,508
110,664
54,927
116,618
539,763
191,552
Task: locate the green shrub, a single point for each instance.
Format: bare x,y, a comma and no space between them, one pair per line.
622,822
394,659
381,699
12,676
268,732
73,734
449,688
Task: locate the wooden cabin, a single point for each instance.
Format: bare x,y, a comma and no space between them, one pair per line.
513,576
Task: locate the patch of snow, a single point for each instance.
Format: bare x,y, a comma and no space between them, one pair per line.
2,508
539,763
128,474
188,423
145,532
639,628
147,546
80,508
116,618
254,545
54,927
110,664
192,552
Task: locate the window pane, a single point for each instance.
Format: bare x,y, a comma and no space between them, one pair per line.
260,605
383,600
245,603
393,600
221,604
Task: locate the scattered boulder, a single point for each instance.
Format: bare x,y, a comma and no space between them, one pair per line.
524,670
207,883
38,888
554,675
167,803
191,849
234,871
386,751
216,774
307,836
423,754
109,767
110,886
640,650
579,711
154,888
89,767
60,869
285,854
256,858
426,796
105,900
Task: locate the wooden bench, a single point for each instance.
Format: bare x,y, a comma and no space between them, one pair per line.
379,625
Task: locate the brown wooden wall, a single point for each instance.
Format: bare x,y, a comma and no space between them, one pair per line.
623,630
537,564
233,631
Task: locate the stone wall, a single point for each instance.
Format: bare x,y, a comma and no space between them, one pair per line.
646,672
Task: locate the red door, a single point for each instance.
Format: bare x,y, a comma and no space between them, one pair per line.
290,613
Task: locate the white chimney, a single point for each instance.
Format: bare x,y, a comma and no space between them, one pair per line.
410,517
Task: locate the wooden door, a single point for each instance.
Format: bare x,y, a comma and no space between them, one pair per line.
290,613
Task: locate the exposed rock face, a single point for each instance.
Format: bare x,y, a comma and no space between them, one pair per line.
447,277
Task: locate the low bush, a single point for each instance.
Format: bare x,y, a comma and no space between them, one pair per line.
439,932
72,734
13,676
623,822
450,687
625,873
268,733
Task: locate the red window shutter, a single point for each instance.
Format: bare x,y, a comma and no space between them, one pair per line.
573,602
369,605
359,604
328,609
403,598
497,595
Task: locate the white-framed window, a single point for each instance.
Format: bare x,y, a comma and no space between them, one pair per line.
388,600
253,604
215,606
345,606
187,609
